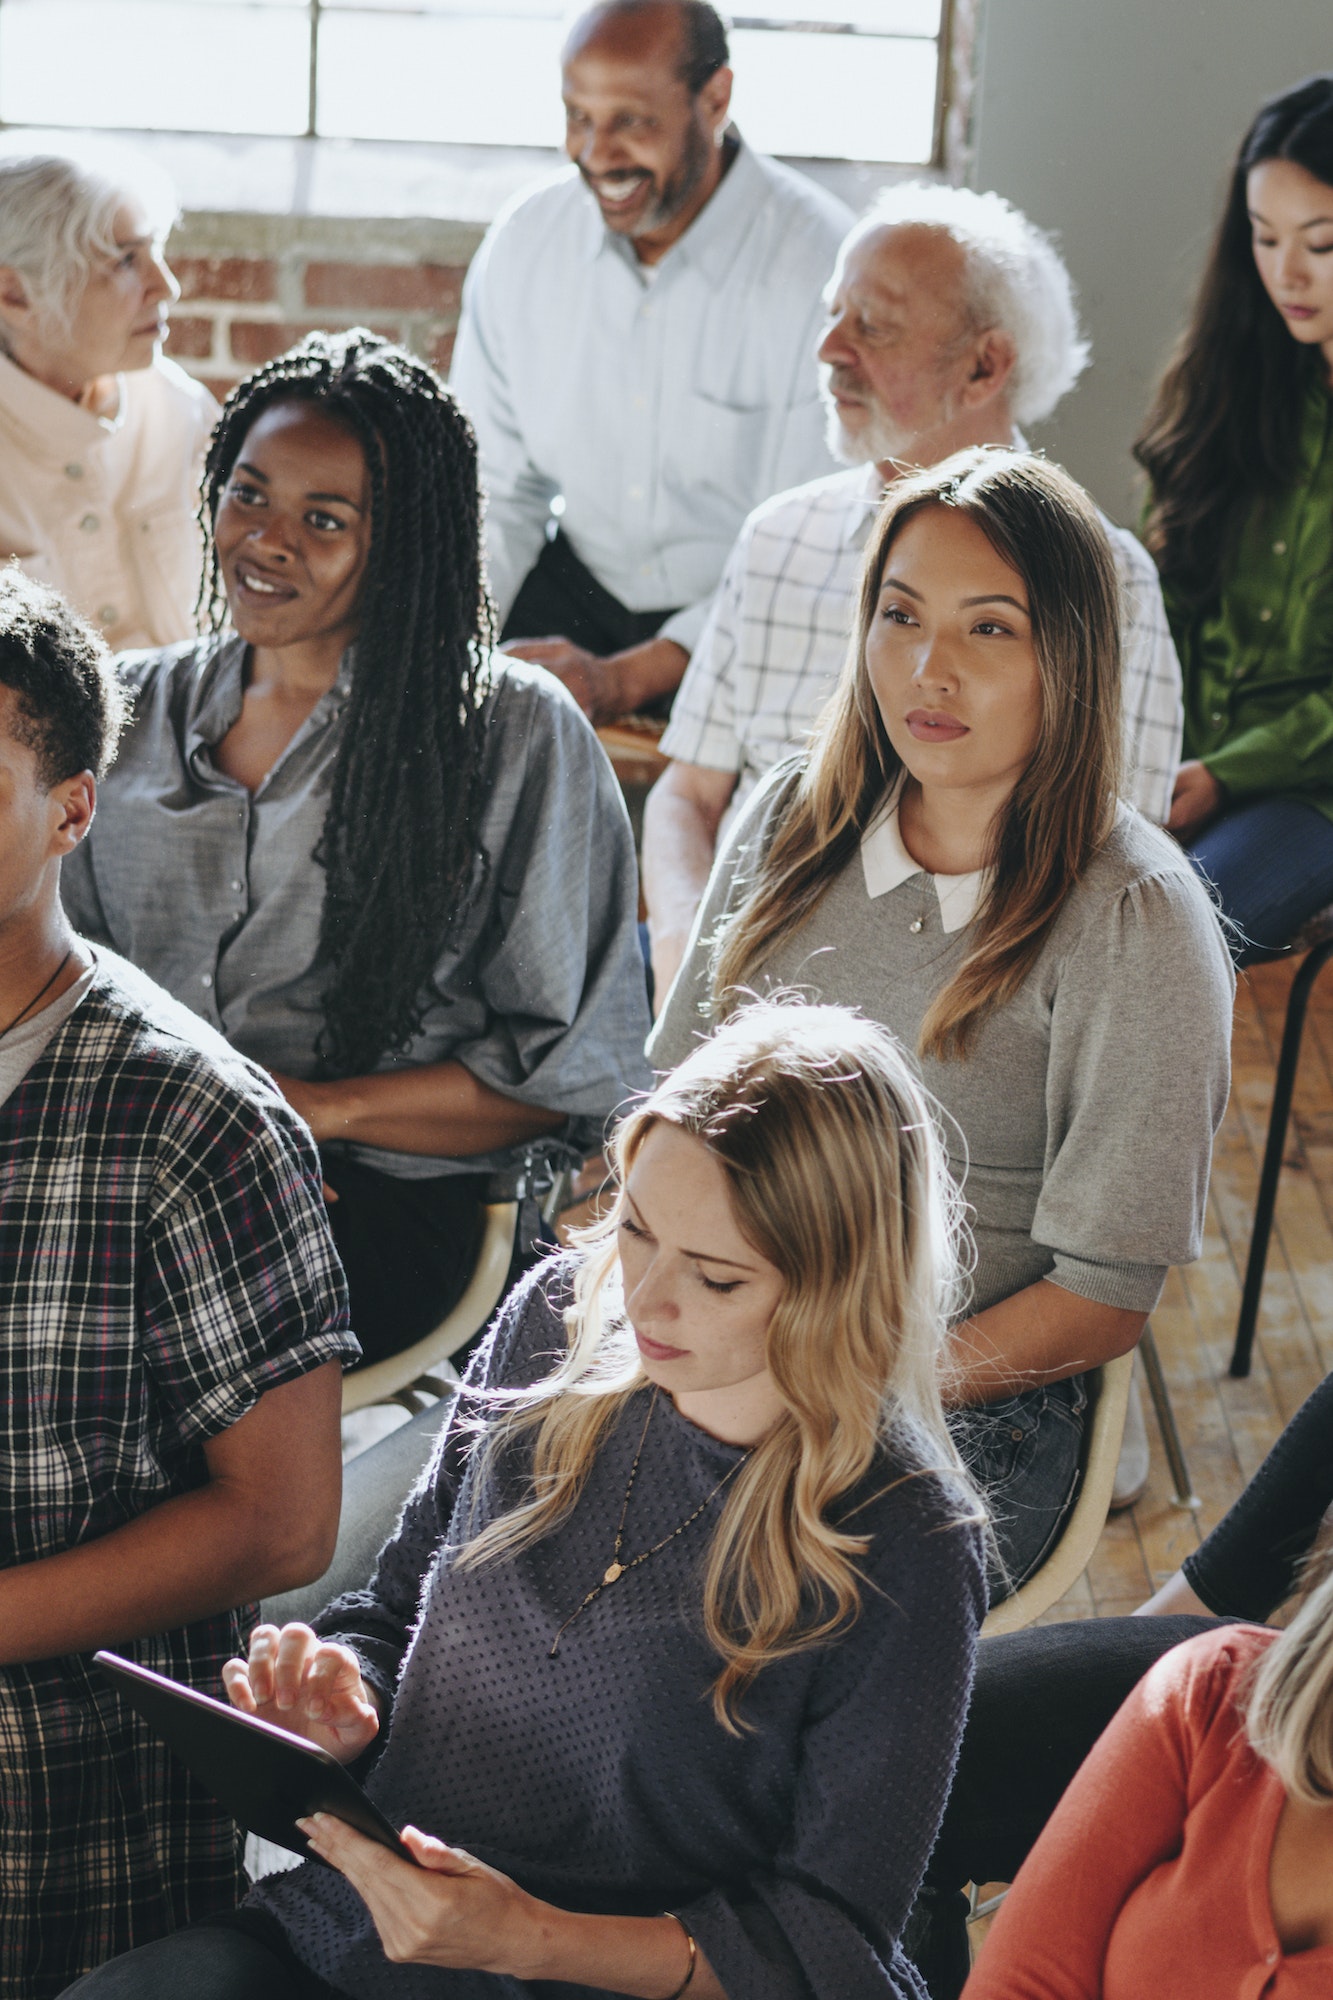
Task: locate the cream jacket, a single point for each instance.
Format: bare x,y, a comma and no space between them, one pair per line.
103,508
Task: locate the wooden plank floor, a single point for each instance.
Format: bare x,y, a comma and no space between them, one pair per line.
1226,1427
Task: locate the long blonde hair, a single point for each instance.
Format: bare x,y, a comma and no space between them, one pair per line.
1288,1706
837,1177
1062,808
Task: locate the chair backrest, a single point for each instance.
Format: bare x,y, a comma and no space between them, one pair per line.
1109,1390
391,1380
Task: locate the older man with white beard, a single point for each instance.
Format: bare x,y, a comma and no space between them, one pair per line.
951,321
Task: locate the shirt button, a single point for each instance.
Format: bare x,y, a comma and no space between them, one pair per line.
1265,615
636,492
640,402
73,472
207,979
1217,716
236,888
1279,548
90,524
108,614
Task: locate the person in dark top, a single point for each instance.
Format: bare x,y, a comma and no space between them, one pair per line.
674,1642
1239,450
390,866
174,1323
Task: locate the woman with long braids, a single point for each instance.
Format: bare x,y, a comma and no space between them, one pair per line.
389,864
673,1644
1239,450
950,856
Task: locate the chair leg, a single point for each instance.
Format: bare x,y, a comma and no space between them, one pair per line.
1166,1420
1284,1084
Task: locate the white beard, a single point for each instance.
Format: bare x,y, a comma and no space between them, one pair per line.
875,442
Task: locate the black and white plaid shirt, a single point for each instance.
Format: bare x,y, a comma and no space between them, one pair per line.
164,1261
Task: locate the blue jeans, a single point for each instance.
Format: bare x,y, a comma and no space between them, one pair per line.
1271,863
1024,1455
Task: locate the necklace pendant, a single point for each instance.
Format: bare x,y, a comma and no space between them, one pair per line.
614,1573
917,927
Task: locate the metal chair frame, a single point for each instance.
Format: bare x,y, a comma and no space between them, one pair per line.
1284,1084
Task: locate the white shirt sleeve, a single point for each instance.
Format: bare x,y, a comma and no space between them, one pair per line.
518,494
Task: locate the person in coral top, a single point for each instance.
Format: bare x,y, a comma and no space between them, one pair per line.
1193,1853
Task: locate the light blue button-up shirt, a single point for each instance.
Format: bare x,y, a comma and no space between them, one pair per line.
663,402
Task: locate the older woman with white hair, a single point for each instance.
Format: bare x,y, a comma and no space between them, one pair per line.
952,322
101,439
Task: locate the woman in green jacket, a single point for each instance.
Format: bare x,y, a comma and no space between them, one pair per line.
1239,449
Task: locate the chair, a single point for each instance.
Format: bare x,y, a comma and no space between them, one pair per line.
1315,939
1070,1556
423,1369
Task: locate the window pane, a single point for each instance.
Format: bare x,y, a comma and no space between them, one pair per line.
836,97
472,82
156,64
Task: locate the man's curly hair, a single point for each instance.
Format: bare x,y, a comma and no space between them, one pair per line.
71,707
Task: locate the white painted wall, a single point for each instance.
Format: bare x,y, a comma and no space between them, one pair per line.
1113,122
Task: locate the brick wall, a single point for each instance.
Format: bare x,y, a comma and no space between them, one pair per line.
251,285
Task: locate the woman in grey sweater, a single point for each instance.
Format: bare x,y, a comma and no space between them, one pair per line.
950,856
682,1618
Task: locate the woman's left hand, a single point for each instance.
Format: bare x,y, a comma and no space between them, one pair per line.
452,1910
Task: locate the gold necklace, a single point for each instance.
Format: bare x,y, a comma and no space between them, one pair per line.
615,1569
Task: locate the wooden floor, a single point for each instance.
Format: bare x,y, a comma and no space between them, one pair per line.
1226,1426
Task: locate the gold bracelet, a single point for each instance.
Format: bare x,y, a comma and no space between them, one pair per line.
676,1991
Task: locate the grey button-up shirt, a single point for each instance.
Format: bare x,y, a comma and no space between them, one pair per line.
663,403
214,891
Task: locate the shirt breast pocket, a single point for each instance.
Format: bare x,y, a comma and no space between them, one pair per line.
721,454
167,554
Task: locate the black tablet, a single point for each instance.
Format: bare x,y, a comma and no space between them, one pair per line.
266,1777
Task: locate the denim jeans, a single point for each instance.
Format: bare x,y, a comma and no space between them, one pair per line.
1271,862
242,1957
1024,1455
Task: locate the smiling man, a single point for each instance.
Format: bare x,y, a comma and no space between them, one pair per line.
634,343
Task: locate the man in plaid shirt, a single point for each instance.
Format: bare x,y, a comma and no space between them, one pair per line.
951,321
174,1328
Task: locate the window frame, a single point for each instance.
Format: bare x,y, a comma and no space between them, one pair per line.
315,10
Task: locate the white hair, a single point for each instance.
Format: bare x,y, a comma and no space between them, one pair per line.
1015,279
58,208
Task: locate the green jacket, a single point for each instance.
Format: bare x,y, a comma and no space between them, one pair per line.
1258,663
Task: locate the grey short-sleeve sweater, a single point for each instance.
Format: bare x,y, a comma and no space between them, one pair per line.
1081,1124
600,1780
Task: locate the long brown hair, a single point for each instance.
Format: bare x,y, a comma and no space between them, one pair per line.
1224,428
1044,526
837,1176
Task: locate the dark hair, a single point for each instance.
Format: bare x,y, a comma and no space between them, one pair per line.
71,706
704,48
1225,425
399,846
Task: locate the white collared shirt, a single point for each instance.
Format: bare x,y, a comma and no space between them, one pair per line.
886,865
663,409
103,508
781,623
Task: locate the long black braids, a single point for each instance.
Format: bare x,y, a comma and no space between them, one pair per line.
399,847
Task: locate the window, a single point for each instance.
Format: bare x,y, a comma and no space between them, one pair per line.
819,79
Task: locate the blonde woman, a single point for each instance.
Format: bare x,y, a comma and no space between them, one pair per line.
674,1642
1193,1853
950,856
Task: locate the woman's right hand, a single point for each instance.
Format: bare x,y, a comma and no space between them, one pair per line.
306,1685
